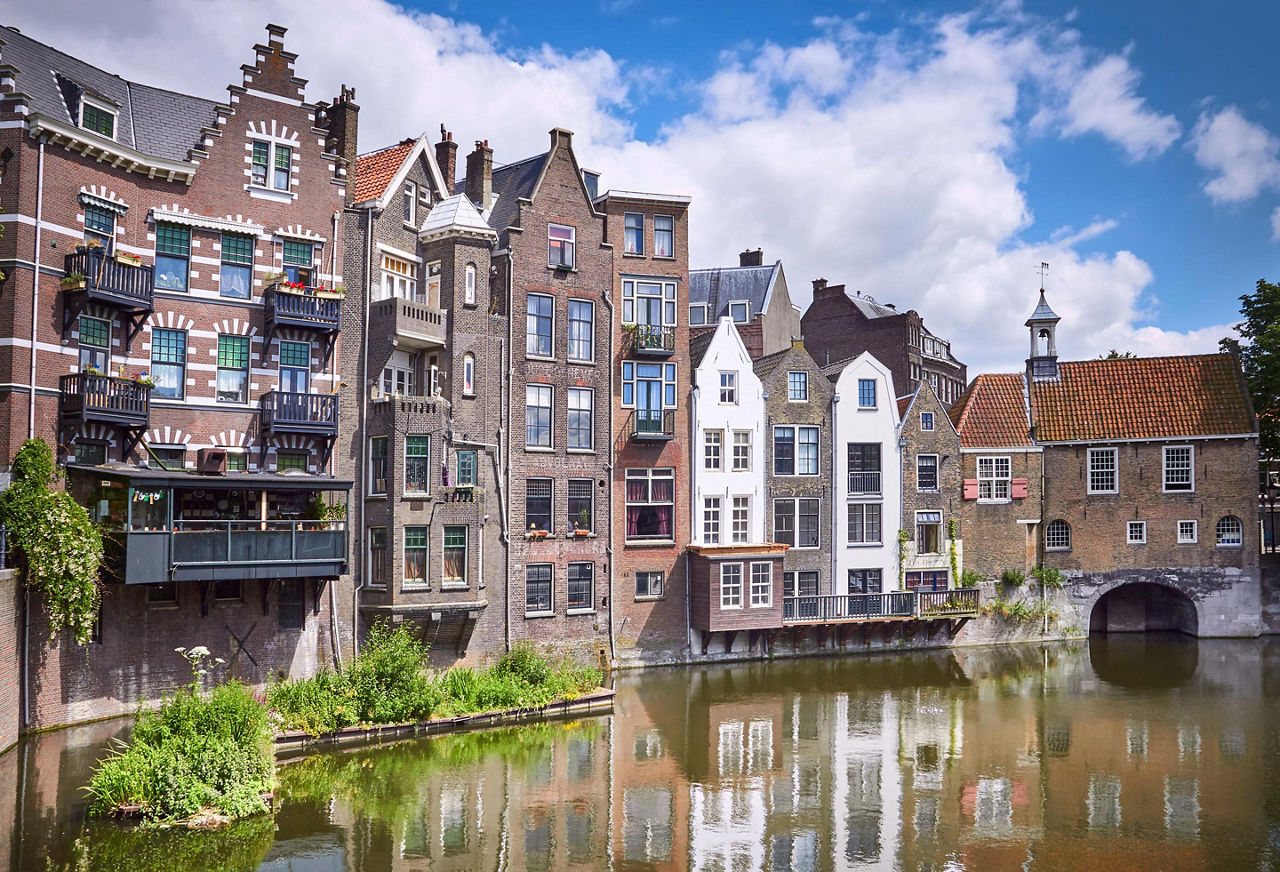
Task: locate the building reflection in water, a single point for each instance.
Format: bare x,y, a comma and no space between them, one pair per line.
985,759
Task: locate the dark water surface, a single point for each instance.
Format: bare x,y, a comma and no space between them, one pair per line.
1133,753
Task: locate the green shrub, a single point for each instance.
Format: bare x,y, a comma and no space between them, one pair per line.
971,578
1048,577
523,663
1013,577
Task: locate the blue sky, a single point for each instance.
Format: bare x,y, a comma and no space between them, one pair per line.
929,154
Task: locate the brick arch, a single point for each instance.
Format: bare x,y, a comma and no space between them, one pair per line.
166,436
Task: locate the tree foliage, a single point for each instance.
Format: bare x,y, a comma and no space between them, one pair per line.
1260,359
59,548
1116,354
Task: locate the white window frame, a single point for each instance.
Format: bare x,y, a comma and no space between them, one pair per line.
730,389
576,302
671,230
631,375
551,320
795,443
651,289
1217,533
875,393
551,418
101,106
994,480
936,477
745,305
701,307
397,283
740,520
469,285
1194,536
761,594
572,242
446,581
1136,527
272,146
1191,469
926,421
590,409
1114,471
864,541
795,521
713,450
712,508
1070,535
411,205
638,251
745,455
804,384
730,590
469,374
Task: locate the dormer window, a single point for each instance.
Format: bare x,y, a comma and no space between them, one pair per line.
697,314
97,118
740,311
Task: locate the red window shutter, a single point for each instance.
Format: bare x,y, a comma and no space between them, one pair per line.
970,488
1020,488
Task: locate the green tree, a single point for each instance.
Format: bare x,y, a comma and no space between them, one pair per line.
58,547
1260,359
1115,354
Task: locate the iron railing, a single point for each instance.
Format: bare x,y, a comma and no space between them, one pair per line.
290,412
864,482
824,609
653,424
655,339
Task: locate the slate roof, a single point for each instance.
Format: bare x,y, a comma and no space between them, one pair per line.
511,182
698,346
992,413
375,170
1143,398
717,286
1043,312
455,214
868,306
164,124
765,365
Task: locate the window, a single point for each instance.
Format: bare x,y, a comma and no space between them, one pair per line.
650,503
537,416
1230,532
664,236
649,584
92,453
864,467
740,311
560,240
741,450
740,521
711,520
729,388
581,508
795,522
1102,470
650,304
400,375
1137,533
283,164
378,466
730,585
415,555
99,225
712,441
1057,536
95,344
1188,534
649,388
417,464
379,565
287,459
929,580
927,472
410,203
581,582
761,585
262,165
994,478
697,314
926,421
538,336
632,233
1179,468
233,369
237,460
928,532
163,594
537,589
581,330
399,279
259,163
455,554
581,426
469,284
537,504
298,257
864,524
173,253
235,275
866,393
795,450
295,367
799,584
170,457
865,581
798,387
466,468
97,119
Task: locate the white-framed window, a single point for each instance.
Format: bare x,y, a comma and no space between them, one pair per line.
410,203
539,503
1057,536
417,464
797,387
649,584
1179,468
469,374
581,586
98,117
864,527
926,421
1229,532
664,236
399,376
866,393
697,314
741,451
648,303
730,585
729,388
740,311
537,589
928,532
995,479
795,450
740,521
761,585
270,165
454,556
795,522
581,504
537,415
926,472
633,233
650,504
399,278
581,419
539,326
647,386
1102,471
712,445
560,246
99,226
1188,532
95,344
582,325
711,520
432,297
469,284
1136,533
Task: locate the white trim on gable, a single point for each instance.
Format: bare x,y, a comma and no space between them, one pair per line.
393,187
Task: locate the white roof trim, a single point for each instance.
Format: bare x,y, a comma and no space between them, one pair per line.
393,186
93,145
294,232
190,219
641,197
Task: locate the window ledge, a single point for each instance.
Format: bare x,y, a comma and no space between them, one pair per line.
762,605
539,449
530,615
1104,493
376,497
1057,550
648,543
581,536
587,611
529,537
725,608
562,269
649,599
865,545
574,362
454,585
663,256
868,408
580,451
415,496
163,606
1228,546
415,587
636,254
994,502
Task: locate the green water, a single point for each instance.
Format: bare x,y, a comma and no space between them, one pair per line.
1121,753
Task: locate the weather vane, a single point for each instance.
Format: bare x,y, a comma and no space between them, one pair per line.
1043,269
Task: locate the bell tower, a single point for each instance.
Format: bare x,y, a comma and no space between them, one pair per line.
1042,365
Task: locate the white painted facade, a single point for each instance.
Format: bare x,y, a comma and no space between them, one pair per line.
856,422
727,356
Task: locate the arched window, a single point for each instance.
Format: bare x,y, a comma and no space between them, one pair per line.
469,288
468,374
1057,536
1230,532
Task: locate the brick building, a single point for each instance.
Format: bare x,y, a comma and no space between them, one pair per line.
174,277
839,326
425,395
650,344
931,463
754,296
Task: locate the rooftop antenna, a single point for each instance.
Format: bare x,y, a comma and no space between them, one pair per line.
1043,269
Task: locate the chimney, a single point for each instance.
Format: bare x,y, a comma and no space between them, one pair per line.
343,122
819,285
751,258
797,342
447,159
480,175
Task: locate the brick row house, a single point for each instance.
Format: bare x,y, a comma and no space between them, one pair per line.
933,551
753,295
174,271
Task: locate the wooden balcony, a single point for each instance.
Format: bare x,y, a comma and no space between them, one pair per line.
307,414
653,425
104,398
962,602
212,550
413,324
123,286
305,309
654,340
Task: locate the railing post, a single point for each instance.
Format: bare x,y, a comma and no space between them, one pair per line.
228,557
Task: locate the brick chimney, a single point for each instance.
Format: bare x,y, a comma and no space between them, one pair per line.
751,258
342,124
480,175
822,289
447,159
818,285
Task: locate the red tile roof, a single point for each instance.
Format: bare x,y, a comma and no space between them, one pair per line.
374,171
904,403
992,413
1143,398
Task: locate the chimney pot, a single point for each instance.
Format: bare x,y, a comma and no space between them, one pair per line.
751,258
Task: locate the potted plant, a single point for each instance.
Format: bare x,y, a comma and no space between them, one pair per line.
127,259
144,379
582,524
91,370
73,282
338,293
535,533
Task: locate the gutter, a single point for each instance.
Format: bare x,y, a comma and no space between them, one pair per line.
35,292
363,391
609,465
510,370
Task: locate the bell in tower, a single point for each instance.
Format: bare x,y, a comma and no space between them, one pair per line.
1042,365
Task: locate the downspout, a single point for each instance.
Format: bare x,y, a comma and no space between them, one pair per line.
35,292
835,495
335,371
609,465
511,373
362,391
694,423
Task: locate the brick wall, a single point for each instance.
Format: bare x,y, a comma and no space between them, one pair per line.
944,444
10,658
997,540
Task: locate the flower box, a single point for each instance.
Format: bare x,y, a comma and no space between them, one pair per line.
74,283
537,534
128,259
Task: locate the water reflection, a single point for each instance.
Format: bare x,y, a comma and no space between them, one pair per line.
1037,757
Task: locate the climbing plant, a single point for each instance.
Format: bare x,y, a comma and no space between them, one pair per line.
903,536
58,548
955,560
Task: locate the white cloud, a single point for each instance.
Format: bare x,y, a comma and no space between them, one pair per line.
1275,225
883,162
1244,155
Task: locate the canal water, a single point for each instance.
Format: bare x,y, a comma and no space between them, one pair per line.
1131,752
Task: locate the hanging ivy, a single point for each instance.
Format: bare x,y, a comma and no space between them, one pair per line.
955,560
57,546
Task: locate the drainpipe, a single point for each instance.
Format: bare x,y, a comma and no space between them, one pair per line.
835,494
35,292
511,374
694,424
363,392
609,465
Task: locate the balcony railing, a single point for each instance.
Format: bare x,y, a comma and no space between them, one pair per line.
654,424
959,603
109,281
654,339
104,398
414,324
289,412
209,550
864,483
848,607
302,309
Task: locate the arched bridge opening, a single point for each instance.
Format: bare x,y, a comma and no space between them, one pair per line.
1142,607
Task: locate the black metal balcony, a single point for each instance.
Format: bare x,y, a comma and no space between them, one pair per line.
308,414
848,607
92,275
119,401
212,550
654,340
653,425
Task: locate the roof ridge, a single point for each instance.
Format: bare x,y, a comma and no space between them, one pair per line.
517,163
